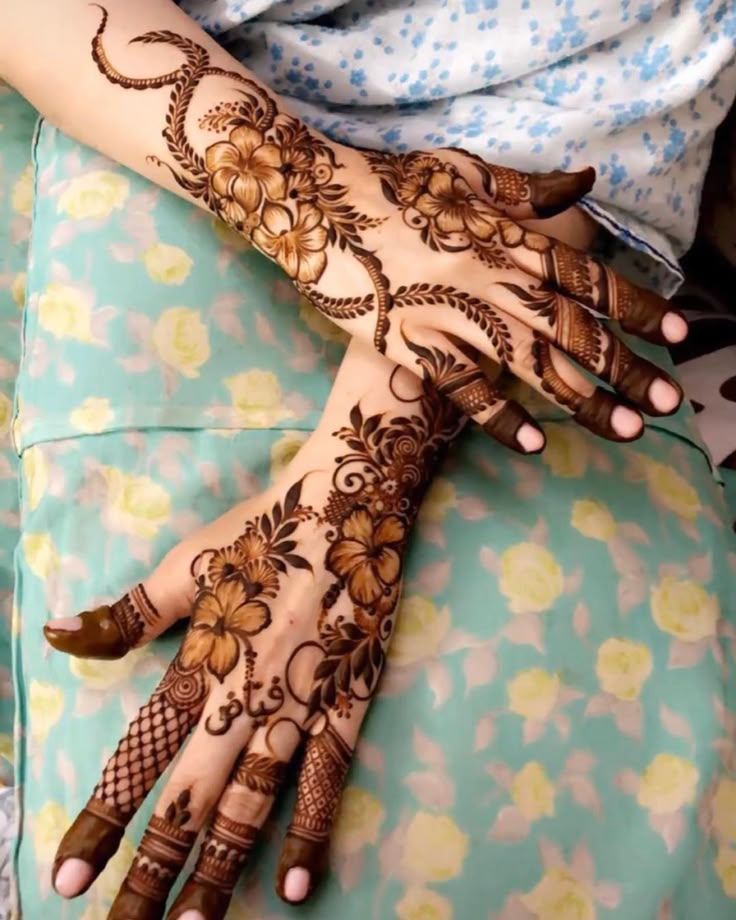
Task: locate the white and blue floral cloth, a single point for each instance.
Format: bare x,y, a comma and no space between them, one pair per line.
634,88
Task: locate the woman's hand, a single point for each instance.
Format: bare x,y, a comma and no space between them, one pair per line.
419,253
292,598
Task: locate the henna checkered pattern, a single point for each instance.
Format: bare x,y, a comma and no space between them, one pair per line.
153,739
326,763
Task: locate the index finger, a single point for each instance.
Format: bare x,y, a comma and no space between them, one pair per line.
586,279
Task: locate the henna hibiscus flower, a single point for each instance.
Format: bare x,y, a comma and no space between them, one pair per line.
454,208
243,170
296,243
415,176
221,617
367,555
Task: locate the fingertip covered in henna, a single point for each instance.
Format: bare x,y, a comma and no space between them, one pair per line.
302,865
515,428
554,192
674,327
73,877
83,853
197,901
97,635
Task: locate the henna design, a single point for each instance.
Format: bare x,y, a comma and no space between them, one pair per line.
157,862
326,763
260,773
230,605
224,852
477,311
467,386
177,812
108,632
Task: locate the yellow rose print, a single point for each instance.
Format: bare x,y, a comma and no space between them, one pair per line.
6,414
420,630
567,451
36,475
726,870
102,675
284,451
21,199
668,783
593,519
358,822
438,501
530,578
18,289
112,878
423,904
532,792
560,896
7,747
49,826
94,195
319,324
41,554
256,397
723,809
167,264
671,490
45,705
93,415
533,693
182,340
684,609
622,667
66,312
136,505
434,848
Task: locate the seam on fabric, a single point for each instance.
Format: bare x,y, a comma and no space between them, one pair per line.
643,245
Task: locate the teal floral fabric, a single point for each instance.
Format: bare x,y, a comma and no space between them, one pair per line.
17,120
554,739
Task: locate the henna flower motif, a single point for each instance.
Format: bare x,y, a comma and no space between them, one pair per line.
367,556
220,618
243,170
251,545
450,203
297,244
414,180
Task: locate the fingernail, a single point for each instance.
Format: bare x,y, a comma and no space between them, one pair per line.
625,422
674,327
65,624
190,915
530,438
296,885
663,396
73,877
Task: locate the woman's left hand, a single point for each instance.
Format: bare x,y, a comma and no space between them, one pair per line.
292,598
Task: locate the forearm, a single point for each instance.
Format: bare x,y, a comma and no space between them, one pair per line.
47,54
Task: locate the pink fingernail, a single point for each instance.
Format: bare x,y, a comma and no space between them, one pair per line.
674,327
625,422
190,915
296,885
664,396
65,624
530,438
74,875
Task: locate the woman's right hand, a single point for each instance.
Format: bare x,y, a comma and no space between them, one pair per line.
419,253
